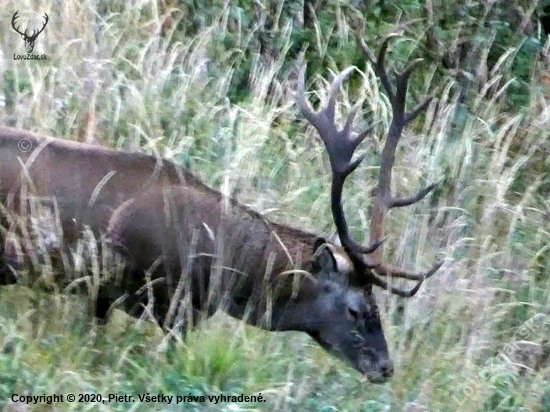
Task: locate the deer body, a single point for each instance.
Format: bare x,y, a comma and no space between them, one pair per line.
126,195
163,218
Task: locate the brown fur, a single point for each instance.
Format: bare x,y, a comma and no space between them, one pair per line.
150,208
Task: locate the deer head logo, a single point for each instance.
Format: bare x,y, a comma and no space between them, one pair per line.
29,40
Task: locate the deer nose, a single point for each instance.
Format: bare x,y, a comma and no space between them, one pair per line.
386,368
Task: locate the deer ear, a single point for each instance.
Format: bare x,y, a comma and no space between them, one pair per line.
320,241
323,260
325,263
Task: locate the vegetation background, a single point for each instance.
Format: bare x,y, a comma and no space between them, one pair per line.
208,83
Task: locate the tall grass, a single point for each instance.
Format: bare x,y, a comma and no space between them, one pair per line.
124,75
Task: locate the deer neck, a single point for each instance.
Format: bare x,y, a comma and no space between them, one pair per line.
280,285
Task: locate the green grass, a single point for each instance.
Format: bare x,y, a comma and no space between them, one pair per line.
202,94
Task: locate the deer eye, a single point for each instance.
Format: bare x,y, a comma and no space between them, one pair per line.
352,314
374,319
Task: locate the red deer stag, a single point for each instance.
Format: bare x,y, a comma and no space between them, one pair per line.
191,250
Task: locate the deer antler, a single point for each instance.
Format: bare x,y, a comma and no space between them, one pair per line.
341,145
383,198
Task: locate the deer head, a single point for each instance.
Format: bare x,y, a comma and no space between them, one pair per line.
359,338
29,40
345,321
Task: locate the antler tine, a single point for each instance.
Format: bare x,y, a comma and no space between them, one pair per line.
379,63
383,50
402,85
300,97
372,278
398,273
367,132
409,69
335,91
409,117
421,194
340,146
351,118
396,291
